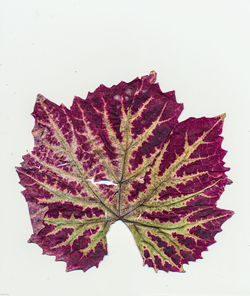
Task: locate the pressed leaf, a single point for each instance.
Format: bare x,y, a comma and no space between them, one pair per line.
165,176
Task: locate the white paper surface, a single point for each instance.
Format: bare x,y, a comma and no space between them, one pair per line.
67,48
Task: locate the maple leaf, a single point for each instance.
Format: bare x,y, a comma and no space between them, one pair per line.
165,176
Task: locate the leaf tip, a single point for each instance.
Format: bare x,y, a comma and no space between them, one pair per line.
152,76
39,98
222,116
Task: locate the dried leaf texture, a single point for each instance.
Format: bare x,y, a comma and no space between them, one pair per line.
166,176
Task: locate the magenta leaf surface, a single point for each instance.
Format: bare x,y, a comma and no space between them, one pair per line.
166,176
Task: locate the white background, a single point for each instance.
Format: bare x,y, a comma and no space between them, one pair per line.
65,48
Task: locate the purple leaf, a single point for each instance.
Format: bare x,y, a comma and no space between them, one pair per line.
164,177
